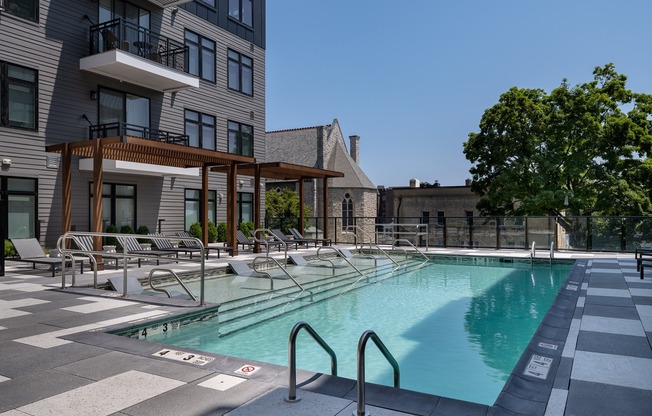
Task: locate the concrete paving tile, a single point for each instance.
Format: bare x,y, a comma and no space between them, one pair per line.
104,397
36,386
618,293
641,292
379,411
610,301
272,404
595,399
96,304
571,340
556,403
633,346
452,407
612,325
611,311
613,369
20,303
645,300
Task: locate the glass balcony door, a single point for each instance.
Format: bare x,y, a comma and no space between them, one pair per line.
128,112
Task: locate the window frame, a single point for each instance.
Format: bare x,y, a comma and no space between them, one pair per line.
199,122
241,15
347,212
5,83
212,197
239,138
239,75
12,5
113,197
199,45
241,202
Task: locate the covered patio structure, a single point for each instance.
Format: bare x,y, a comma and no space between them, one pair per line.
139,150
279,171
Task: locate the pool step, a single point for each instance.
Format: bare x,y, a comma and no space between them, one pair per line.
238,315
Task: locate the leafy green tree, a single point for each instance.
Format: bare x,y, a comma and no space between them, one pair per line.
282,209
580,150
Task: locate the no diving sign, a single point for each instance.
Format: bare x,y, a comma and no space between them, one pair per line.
247,369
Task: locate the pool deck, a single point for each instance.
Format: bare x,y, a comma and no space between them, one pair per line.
591,356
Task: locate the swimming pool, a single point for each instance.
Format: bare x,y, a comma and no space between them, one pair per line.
456,329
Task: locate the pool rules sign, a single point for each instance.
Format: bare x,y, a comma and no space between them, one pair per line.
538,366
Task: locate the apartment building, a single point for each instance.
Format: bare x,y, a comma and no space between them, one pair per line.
144,79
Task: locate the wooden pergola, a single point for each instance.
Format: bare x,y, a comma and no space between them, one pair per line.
139,150
279,171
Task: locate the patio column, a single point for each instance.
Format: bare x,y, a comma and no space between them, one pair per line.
97,201
231,201
324,202
204,204
301,213
257,203
66,195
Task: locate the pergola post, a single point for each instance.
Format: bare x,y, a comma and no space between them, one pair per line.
231,201
204,204
325,206
66,193
302,220
97,201
257,203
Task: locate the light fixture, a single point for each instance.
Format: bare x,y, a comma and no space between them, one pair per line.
174,10
6,162
93,95
2,6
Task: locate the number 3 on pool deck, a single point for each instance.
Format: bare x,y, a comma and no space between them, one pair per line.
190,357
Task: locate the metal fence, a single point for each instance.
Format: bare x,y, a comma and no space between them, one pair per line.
581,233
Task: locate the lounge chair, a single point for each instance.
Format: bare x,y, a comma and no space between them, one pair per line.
164,244
85,244
241,268
299,237
130,245
30,251
299,260
284,238
194,245
247,241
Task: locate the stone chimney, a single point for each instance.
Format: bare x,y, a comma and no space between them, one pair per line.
468,182
354,142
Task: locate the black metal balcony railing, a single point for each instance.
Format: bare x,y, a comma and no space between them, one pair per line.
101,131
128,37
580,233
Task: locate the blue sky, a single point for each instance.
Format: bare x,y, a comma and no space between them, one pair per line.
413,78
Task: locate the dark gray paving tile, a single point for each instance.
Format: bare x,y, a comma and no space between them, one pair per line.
614,344
552,333
592,399
36,386
607,281
642,300
626,312
452,407
519,405
528,388
608,301
557,322
44,359
397,399
195,400
324,384
563,374
10,349
21,331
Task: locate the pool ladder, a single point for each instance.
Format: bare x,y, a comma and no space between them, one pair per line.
292,396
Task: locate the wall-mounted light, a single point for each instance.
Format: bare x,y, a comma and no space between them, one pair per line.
93,95
174,10
219,198
2,6
6,162
240,183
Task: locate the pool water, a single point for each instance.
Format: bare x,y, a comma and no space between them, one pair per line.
456,330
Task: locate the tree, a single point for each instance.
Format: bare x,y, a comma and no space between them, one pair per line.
576,150
282,209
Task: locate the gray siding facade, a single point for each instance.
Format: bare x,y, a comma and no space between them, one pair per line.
54,45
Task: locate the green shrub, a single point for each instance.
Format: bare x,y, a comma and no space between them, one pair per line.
126,229
143,230
247,228
221,232
10,251
195,230
111,241
212,232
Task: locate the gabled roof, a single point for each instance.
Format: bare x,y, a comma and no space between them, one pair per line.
354,177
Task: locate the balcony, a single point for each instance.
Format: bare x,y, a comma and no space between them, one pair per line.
133,54
101,131
168,3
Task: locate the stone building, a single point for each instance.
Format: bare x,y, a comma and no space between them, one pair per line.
352,198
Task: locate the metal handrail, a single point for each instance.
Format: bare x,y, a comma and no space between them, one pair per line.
266,242
292,358
403,240
271,279
160,269
339,253
371,243
369,334
66,238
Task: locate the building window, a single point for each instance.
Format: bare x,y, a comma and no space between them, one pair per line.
241,139
18,96
18,200
441,218
242,11
27,9
117,108
347,212
208,2
241,73
245,207
200,129
118,206
201,56
425,217
193,207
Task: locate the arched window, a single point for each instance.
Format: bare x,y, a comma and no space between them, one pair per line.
347,212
